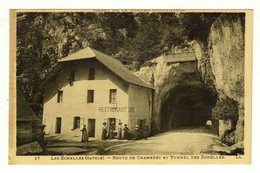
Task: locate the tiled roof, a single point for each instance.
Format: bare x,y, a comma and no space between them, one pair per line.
81,54
111,63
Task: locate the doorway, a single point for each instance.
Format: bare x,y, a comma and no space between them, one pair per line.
91,127
111,122
58,125
141,123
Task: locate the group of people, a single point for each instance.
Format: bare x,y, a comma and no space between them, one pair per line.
121,133
141,133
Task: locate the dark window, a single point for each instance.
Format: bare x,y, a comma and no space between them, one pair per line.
90,97
72,77
58,125
76,122
59,96
112,95
91,74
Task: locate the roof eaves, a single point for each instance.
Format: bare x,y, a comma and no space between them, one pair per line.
125,75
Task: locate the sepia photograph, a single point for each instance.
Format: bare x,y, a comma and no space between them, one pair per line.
130,86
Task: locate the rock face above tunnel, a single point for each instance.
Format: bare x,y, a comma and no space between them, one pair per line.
169,79
224,54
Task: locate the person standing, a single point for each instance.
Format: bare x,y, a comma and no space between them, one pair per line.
104,131
125,132
146,132
84,137
119,131
137,132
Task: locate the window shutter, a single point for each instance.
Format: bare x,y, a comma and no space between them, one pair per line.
72,123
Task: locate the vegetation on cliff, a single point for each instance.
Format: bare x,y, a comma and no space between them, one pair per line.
225,109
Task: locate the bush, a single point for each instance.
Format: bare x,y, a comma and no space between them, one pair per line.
225,109
229,138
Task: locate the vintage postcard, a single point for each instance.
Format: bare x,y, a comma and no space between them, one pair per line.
130,86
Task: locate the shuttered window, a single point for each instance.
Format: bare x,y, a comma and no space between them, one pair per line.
59,96
112,95
76,122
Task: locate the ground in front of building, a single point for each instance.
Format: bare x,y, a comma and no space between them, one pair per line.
183,141
58,145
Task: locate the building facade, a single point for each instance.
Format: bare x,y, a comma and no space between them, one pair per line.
90,88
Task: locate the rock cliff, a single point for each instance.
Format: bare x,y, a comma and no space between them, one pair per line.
226,53
221,60
218,70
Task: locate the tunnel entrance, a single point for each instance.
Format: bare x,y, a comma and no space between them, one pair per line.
186,105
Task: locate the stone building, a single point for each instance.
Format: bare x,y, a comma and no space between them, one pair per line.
89,88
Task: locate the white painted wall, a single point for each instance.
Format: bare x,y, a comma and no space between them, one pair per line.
75,98
139,98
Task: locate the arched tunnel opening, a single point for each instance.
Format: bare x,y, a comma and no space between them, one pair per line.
186,106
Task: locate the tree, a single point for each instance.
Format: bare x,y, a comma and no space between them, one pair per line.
133,38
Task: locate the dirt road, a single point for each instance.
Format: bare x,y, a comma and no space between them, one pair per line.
181,141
